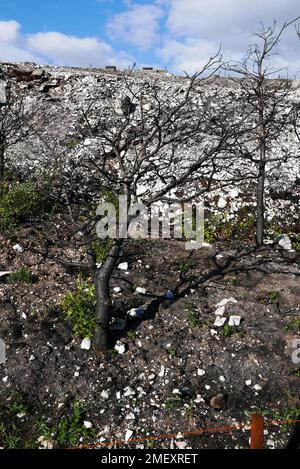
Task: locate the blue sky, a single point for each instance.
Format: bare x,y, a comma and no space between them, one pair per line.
177,34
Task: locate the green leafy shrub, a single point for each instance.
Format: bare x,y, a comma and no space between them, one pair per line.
20,201
21,276
79,307
71,428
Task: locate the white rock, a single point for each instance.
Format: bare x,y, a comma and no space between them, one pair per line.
271,444
207,386
200,372
225,301
104,394
213,332
151,377
285,242
76,374
45,443
162,372
2,274
128,434
117,289
5,379
118,395
23,316
199,399
86,344
123,266
136,312
130,416
220,311
222,379
87,424
248,382
141,290
234,320
120,348
257,387
219,322
31,358
18,248
129,392
222,202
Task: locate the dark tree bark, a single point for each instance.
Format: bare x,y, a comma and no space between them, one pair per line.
103,307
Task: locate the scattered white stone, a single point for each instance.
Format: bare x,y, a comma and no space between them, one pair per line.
86,344
123,266
271,444
176,391
104,394
18,248
87,424
23,316
130,416
257,387
45,443
128,434
162,372
207,386
222,379
31,358
200,372
199,399
248,382
213,332
5,379
222,202
2,274
76,374
117,289
219,256
285,242
225,301
136,312
169,295
120,348
141,290
151,377
234,320
220,311
118,395
129,392
219,322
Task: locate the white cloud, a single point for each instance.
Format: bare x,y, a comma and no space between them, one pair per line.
9,31
56,48
61,49
139,26
196,28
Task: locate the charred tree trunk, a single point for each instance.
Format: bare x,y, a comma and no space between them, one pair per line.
1,166
103,307
260,196
260,219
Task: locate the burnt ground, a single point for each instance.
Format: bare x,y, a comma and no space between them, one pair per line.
158,385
